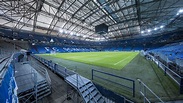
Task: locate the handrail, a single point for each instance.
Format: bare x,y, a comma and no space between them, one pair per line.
46,75
77,80
67,74
166,67
3,71
82,82
144,94
86,88
131,88
112,75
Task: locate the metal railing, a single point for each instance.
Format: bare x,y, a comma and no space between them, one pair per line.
5,67
167,71
26,81
143,92
44,73
79,82
131,81
86,88
64,72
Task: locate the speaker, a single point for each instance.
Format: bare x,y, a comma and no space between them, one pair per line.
101,29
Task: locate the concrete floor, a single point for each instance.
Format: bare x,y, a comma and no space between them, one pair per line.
60,89
23,76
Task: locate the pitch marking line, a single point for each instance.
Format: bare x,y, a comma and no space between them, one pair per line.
123,60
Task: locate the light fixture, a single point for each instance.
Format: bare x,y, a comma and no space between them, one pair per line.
142,32
161,26
51,40
33,43
155,28
180,11
77,34
66,32
149,30
71,33
61,31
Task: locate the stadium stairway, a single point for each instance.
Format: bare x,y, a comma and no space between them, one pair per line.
30,95
33,82
43,89
86,89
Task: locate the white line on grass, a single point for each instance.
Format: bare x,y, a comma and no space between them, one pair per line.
123,60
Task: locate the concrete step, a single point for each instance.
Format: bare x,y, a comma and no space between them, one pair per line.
42,92
98,96
44,95
43,88
26,94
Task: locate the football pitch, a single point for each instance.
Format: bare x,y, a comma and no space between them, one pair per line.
114,60
126,64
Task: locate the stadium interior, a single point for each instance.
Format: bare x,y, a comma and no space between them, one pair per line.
91,51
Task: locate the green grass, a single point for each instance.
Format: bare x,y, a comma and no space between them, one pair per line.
114,60
131,65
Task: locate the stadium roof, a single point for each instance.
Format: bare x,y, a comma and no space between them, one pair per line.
76,19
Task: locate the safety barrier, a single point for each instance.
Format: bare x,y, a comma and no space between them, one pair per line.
64,72
143,91
8,87
61,70
101,75
44,72
167,71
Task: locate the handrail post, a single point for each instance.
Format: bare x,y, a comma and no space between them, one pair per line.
92,74
165,70
133,88
181,86
35,81
143,88
144,94
77,80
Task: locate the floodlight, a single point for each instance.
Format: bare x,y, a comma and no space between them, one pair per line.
51,40
66,31
77,34
161,26
155,28
180,11
142,32
149,30
61,31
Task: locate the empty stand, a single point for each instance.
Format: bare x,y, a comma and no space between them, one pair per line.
169,59
58,49
170,55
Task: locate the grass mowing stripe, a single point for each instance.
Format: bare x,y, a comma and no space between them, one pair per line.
165,81
103,59
137,68
123,59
